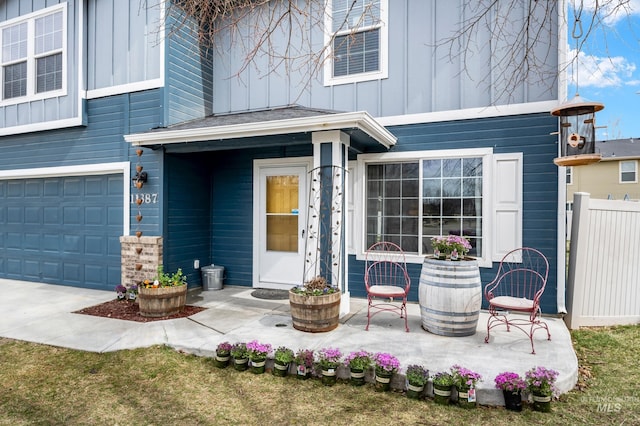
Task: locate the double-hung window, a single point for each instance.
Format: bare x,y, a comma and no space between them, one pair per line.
357,33
33,55
629,171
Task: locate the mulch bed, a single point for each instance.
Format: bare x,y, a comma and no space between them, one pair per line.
124,310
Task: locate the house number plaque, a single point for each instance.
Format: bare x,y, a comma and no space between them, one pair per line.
146,197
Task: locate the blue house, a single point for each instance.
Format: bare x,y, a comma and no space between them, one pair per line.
419,142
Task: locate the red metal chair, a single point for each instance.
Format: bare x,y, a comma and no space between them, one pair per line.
518,287
386,278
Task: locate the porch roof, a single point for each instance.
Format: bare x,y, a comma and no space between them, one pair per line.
247,129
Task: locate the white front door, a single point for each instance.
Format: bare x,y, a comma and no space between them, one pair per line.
279,225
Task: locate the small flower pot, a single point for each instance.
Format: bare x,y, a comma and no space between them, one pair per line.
541,402
441,394
467,397
222,360
257,365
512,400
241,364
414,391
329,377
280,369
383,381
357,376
302,372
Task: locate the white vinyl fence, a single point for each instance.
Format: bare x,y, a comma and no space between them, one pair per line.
603,286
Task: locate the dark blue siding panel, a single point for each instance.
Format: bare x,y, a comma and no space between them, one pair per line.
187,235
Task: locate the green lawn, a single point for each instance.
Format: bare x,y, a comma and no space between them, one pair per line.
47,385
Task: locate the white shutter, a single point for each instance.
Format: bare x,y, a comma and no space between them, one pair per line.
507,204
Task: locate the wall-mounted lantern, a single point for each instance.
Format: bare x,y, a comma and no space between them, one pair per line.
577,132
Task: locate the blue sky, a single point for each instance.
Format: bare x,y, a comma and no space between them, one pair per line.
608,71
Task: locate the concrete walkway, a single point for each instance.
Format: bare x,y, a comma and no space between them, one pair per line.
42,313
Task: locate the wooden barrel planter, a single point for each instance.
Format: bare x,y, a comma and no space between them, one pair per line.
450,295
315,314
161,301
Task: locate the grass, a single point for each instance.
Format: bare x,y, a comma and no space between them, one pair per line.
47,385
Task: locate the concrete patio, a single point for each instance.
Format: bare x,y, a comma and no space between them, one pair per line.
42,313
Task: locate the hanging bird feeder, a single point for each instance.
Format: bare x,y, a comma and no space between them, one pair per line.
577,132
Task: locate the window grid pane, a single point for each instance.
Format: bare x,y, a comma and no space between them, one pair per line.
14,80
452,200
48,33
49,73
356,53
14,43
393,204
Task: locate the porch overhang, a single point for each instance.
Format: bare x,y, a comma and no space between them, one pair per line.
217,131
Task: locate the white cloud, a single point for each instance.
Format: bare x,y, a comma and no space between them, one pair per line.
608,11
597,71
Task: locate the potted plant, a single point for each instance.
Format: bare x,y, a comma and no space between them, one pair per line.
442,383
282,357
512,386
129,294
358,362
385,366
223,354
304,363
240,356
453,247
417,376
328,359
315,306
258,355
164,295
541,386
465,382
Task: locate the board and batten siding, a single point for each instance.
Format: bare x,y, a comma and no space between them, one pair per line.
421,77
603,287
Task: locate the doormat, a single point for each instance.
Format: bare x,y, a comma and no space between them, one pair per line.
270,294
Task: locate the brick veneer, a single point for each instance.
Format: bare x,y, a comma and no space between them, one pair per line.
137,267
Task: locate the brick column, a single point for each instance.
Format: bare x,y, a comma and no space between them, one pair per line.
140,258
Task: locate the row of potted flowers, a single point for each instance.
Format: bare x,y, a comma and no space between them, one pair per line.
539,382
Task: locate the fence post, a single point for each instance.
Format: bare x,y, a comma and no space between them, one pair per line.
577,256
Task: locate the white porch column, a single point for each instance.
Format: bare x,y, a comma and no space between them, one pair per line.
330,155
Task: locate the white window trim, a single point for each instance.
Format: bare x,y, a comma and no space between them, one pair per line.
360,195
635,165
329,79
31,56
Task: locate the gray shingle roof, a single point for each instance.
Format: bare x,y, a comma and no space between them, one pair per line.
617,148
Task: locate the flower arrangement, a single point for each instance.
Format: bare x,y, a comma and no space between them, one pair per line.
443,379
358,360
239,350
417,375
257,350
541,381
464,378
452,245
223,348
329,358
304,357
317,286
283,355
510,382
385,363
164,279
127,293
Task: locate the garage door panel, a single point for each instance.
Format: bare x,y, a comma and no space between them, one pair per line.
62,230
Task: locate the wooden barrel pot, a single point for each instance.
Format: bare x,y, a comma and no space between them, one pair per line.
161,301
315,314
450,295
